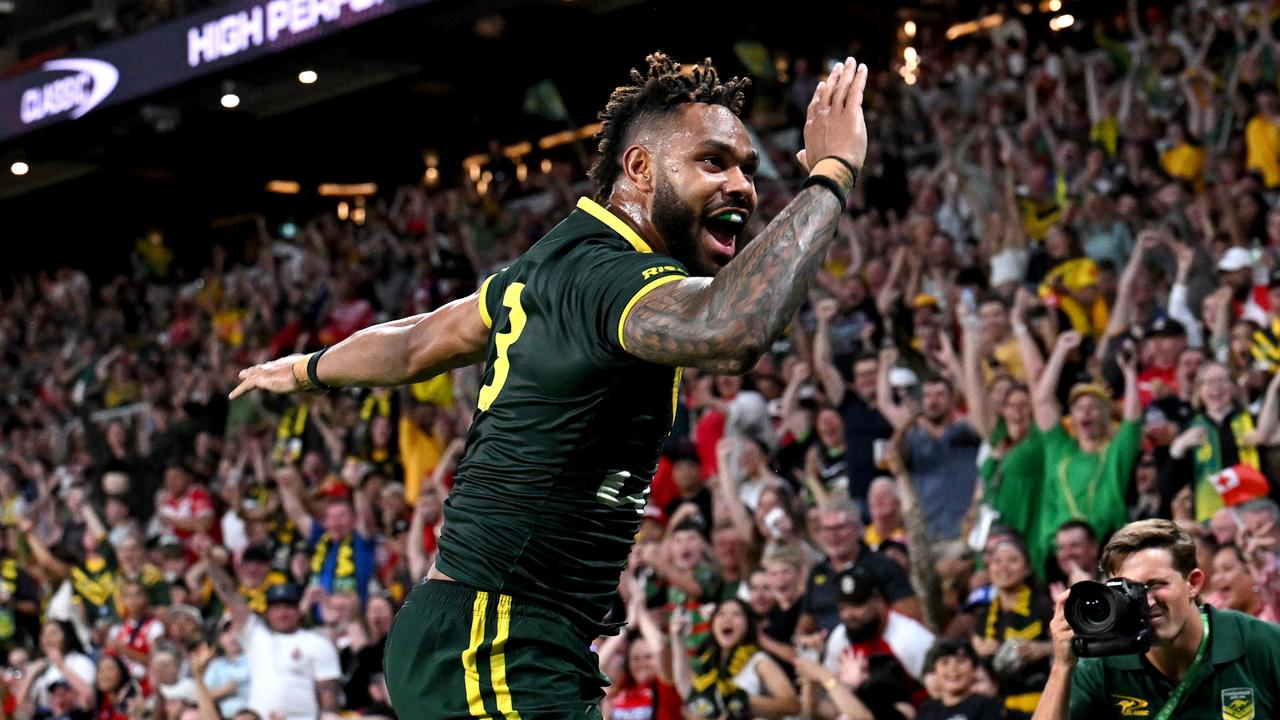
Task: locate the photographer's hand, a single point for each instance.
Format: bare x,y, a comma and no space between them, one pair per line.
1056,699
1060,630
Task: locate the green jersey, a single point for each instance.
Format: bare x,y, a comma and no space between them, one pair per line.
568,425
1013,485
1243,682
1086,486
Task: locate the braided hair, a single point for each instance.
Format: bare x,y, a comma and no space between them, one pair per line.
660,92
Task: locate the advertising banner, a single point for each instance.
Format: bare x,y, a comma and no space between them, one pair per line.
67,88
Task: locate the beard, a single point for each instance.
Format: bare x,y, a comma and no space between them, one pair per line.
676,222
866,631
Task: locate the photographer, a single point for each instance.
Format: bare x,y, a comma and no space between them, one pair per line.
1202,662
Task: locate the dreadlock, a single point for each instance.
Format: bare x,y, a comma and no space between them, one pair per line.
666,87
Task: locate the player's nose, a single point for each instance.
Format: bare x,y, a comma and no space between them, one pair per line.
739,186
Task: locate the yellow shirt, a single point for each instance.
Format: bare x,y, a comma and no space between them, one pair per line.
1107,133
1010,359
419,454
438,391
1038,217
835,269
1184,162
1262,149
228,325
873,539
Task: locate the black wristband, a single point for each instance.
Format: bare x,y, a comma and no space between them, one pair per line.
311,371
829,184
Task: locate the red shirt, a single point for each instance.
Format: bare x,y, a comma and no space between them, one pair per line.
1149,379
139,636
706,435
663,488
194,503
345,319
1260,295
653,701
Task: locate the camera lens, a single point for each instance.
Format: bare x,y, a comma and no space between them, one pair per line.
1096,611
1091,609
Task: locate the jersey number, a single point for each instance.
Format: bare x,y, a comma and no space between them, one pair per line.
504,341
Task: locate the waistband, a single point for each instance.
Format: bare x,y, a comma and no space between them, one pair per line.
459,597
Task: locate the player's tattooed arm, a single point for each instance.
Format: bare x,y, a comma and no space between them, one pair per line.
725,324
224,586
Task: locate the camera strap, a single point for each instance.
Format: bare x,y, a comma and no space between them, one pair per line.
1192,676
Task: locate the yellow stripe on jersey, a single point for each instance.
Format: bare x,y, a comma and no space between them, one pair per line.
622,321
675,393
498,660
615,223
475,703
484,307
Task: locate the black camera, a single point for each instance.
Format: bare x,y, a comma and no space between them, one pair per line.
1109,619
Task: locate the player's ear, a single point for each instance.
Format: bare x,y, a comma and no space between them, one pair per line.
1196,579
637,164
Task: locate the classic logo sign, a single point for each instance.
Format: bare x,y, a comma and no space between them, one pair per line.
74,87
1132,706
1237,704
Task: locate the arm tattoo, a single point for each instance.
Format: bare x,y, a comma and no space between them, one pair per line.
724,324
224,585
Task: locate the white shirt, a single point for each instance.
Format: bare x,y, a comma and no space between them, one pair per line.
77,663
909,640
748,678
285,669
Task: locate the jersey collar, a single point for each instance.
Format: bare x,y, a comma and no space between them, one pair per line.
1226,642
615,223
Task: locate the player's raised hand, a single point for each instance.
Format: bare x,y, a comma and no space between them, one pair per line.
275,376
834,125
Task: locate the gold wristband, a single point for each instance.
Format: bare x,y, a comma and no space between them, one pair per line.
830,683
300,374
844,174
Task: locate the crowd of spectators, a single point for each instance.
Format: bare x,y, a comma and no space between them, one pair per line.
1053,307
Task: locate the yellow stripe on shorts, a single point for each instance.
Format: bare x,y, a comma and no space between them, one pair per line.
475,702
498,660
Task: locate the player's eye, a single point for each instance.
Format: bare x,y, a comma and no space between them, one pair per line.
713,161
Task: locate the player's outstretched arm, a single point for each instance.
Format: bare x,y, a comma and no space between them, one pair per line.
392,353
726,323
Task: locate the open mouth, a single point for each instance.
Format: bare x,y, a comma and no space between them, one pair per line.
725,226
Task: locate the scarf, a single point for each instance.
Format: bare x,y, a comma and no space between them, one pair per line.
1022,608
290,435
713,692
8,586
344,571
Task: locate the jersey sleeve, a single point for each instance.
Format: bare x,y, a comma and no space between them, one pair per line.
490,293
1124,450
614,283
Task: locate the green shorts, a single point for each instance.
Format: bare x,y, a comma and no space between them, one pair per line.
456,652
